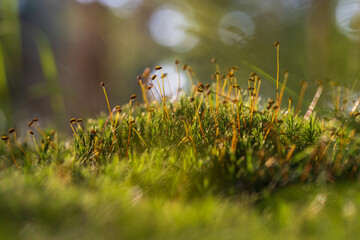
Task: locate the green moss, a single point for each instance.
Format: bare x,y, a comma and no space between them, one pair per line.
229,175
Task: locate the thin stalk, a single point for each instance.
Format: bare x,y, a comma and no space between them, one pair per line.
257,91
242,108
189,136
137,133
128,144
289,108
223,87
211,106
199,119
277,45
301,97
217,92
36,147
163,84
353,109
44,136
169,86
144,97
314,102
153,95
283,88
107,102
252,97
12,154
238,115
114,129
16,142
178,71
234,140
74,132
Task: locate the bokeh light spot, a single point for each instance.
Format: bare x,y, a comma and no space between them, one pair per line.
236,28
169,27
121,8
348,18
85,1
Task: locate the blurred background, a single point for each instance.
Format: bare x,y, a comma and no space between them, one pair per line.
54,53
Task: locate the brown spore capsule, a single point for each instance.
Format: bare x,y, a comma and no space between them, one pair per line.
4,138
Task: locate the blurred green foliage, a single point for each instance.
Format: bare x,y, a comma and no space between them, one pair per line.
10,56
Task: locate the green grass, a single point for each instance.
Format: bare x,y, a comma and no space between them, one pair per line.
48,205
190,171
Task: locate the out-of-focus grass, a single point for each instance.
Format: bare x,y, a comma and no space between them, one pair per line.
47,203
10,45
49,68
5,103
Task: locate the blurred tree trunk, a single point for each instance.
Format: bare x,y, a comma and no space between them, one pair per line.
318,39
85,56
